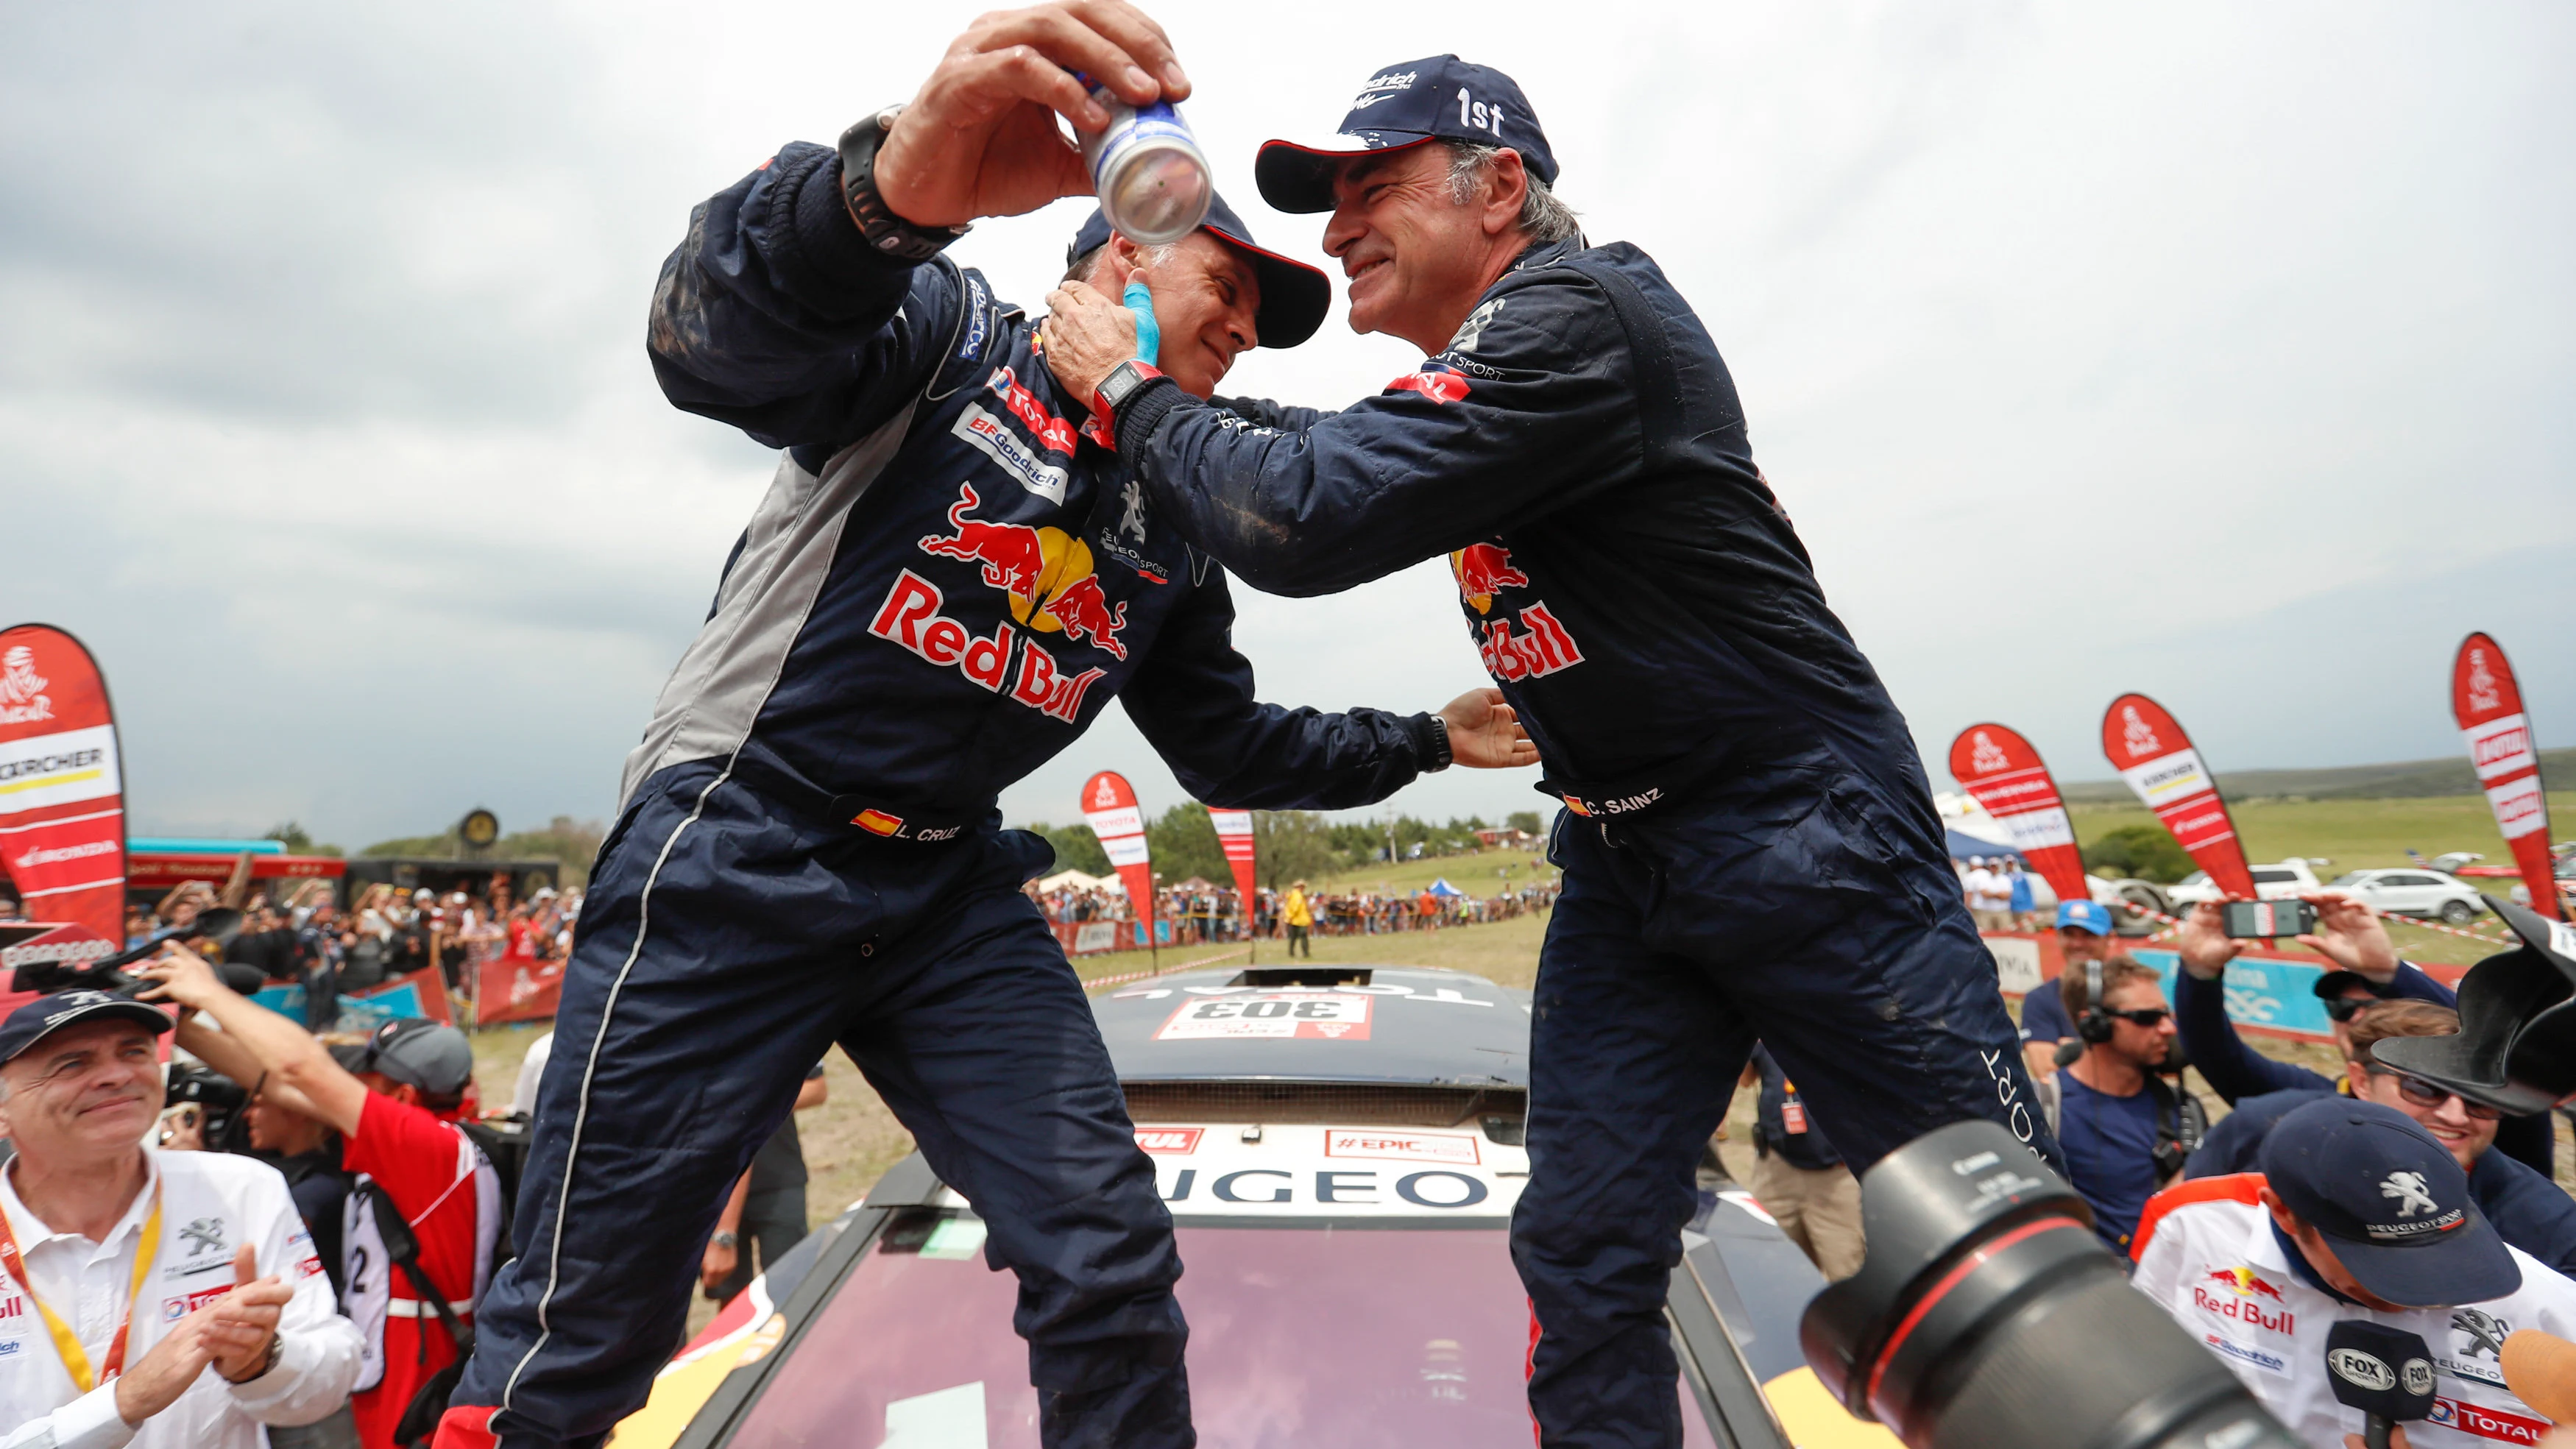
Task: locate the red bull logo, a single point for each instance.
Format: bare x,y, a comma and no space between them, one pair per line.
1012,554
1484,570
1047,572
1086,613
1541,648
910,617
2244,1287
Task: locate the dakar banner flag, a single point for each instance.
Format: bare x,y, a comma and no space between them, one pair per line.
1109,805
1234,832
2153,754
2000,770
2488,705
62,787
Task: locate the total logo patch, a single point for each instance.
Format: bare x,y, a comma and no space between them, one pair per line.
2486,1423
174,1309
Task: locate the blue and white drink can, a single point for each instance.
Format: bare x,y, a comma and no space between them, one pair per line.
1149,171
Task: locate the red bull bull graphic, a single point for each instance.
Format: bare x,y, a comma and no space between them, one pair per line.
2486,700
1085,613
1484,570
1012,554
1048,573
62,788
2147,746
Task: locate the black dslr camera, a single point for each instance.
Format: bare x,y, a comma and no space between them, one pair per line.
107,973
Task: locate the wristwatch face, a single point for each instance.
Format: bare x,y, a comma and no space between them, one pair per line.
1122,380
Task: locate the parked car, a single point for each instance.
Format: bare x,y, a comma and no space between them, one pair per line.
1341,1149
2277,881
2407,891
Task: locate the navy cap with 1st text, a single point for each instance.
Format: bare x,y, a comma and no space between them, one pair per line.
1439,98
46,1015
2390,1201
1294,296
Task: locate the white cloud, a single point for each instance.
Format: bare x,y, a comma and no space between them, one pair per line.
2211,351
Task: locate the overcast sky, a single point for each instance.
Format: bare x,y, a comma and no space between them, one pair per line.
2222,352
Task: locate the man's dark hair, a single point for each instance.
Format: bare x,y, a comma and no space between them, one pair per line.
2116,973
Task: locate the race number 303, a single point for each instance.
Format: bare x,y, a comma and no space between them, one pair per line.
1315,1015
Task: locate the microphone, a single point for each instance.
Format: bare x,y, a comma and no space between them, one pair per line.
2540,1370
2387,1373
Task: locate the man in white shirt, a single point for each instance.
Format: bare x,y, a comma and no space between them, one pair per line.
2358,1213
164,1300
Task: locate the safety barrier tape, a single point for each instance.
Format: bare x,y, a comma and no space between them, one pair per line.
1094,983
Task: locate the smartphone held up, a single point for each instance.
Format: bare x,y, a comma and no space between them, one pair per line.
2265,920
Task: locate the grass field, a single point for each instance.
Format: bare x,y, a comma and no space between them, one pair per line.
2350,833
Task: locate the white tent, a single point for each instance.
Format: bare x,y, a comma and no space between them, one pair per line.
1077,880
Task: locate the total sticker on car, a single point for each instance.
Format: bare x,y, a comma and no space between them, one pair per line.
1305,1015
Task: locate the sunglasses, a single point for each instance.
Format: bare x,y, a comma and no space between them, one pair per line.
2425,1094
2149,1017
2345,1008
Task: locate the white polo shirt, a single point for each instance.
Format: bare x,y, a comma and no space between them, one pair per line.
211,1203
2207,1255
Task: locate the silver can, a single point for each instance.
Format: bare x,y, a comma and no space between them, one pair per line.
1149,171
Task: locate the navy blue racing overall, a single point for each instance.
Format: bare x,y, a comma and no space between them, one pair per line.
1748,841
944,585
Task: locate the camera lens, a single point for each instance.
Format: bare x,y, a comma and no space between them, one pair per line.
1987,1313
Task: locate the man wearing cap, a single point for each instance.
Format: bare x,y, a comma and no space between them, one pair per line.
2083,934
945,585
162,1299
2350,934
393,1100
2357,1213
1750,847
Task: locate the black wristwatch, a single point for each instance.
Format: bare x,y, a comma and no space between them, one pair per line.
1440,731
884,230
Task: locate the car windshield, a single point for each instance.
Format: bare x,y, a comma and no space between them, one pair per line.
2275,877
2348,878
1352,1336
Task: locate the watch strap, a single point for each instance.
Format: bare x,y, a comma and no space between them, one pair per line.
1120,387
884,230
1440,752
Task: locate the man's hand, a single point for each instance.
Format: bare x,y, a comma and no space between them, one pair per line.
1485,733
183,976
2204,945
980,138
1086,333
2397,1439
241,1323
717,1265
2349,934
155,1381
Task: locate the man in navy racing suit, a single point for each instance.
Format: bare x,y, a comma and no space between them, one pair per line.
944,586
1749,844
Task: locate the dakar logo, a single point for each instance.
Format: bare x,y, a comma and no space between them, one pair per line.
22,689
2136,733
1106,797
1046,571
2412,1192
1484,570
2483,694
1988,757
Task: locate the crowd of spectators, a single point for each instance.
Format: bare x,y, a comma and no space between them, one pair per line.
1199,911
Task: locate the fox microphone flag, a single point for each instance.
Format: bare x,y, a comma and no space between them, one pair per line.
2488,705
2156,759
2000,771
1109,807
62,785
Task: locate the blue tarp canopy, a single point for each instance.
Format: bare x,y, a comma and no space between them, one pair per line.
1963,847
1442,887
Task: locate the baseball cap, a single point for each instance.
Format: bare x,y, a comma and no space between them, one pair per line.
1294,295
2333,984
2516,1046
1438,98
46,1015
2085,916
426,1054
2391,1201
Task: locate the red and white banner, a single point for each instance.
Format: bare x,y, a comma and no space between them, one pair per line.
1234,832
2000,771
1109,805
516,988
62,786
2156,758
2488,705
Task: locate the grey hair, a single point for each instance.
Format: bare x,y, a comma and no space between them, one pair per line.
1544,219
1078,267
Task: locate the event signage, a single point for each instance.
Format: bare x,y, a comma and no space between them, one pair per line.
1109,806
62,784
1234,832
2488,705
2156,758
2002,772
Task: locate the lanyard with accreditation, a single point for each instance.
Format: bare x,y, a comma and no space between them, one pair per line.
66,1342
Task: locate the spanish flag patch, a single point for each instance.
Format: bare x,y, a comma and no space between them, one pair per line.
877,822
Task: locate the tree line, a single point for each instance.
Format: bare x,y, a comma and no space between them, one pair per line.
1288,845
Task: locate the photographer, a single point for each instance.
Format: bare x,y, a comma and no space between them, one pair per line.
392,1101
2357,1213
127,1272
2124,1130
2527,1209
2083,934
2349,934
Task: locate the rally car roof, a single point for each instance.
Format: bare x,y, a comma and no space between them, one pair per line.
1359,1024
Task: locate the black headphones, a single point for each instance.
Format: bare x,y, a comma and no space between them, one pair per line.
2095,1024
